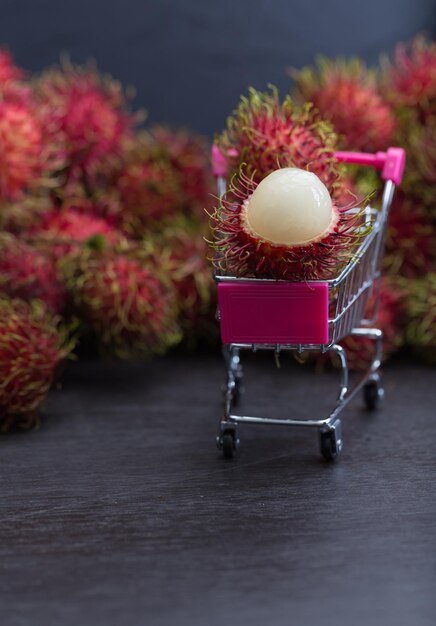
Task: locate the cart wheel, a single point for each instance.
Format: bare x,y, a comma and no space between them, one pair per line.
331,441
373,394
229,445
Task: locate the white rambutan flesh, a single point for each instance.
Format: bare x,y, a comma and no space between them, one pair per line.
290,207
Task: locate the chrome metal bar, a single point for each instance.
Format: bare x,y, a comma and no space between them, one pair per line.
221,186
245,419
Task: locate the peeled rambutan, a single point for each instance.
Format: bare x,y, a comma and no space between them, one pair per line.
124,300
91,113
410,80
410,241
420,333
267,134
286,227
390,320
32,345
28,274
189,156
346,93
61,231
21,143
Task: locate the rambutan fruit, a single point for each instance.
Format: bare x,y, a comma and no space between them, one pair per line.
419,139
21,143
267,134
390,320
32,345
91,113
150,191
189,156
420,333
12,86
61,231
410,80
286,227
124,300
20,215
410,241
183,256
346,93
8,70
28,274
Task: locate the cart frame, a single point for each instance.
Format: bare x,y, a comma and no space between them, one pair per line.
348,295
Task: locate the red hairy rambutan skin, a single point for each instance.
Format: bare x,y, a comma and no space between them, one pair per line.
61,231
12,86
238,252
183,256
410,80
420,307
269,135
90,112
410,241
8,70
21,144
189,156
32,345
347,94
28,274
122,298
419,139
150,191
25,213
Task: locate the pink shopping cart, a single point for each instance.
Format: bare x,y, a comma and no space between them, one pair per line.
263,314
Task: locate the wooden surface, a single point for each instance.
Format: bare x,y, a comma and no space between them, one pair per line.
120,510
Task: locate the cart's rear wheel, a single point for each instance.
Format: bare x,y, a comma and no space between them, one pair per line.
373,394
331,441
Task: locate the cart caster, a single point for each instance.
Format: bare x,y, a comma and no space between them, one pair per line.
228,443
331,440
373,394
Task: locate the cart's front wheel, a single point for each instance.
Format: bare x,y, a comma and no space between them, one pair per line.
229,445
331,441
373,394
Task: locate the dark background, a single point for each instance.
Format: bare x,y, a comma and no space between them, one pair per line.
190,60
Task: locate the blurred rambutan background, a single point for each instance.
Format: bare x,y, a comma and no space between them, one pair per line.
103,222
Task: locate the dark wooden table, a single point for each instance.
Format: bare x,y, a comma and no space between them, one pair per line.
121,511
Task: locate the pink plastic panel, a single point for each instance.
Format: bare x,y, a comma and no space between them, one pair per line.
253,312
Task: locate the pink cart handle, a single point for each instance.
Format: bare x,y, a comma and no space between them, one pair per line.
391,163
220,160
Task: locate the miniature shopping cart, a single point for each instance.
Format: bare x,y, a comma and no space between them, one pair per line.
263,314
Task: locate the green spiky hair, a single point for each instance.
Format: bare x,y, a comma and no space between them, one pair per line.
124,298
268,134
32,345
346,93
421,317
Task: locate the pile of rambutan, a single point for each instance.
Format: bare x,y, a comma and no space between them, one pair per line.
102,228
372,109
